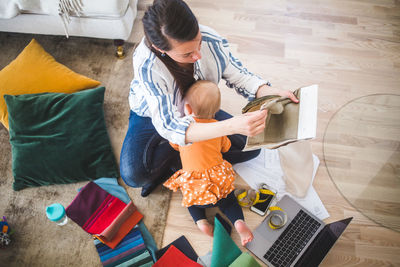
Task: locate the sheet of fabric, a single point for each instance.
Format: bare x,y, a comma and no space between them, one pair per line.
88,200
148,240
183,245
123,230
297,166
281,123
131,251
98,213
205,260
115,225
112,187
224,251
274,103
245,260
106,214
173,257
139,261
224,223
205,176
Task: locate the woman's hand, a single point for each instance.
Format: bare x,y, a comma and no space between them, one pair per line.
264,90
249,124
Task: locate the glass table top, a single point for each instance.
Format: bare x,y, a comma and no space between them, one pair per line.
362,154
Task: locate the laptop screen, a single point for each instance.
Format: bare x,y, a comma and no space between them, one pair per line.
322,243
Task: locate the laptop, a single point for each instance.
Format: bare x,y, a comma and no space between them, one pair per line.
303,241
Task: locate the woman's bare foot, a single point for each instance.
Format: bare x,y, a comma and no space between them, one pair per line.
244,232
205,227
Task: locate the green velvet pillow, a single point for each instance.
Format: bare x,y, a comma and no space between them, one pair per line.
59,138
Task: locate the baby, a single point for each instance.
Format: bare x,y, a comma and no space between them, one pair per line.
206,179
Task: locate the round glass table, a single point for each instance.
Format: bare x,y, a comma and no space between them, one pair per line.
362,154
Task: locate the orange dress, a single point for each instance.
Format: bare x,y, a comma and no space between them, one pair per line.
205,176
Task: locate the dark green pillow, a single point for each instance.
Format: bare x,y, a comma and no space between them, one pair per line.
59,138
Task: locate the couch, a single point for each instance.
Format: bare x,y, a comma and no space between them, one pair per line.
109,19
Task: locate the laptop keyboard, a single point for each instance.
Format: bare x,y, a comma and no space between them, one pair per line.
293,239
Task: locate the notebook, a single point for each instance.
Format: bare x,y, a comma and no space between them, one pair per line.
291,121
303,241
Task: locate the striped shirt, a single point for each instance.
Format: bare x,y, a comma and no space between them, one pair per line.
154,93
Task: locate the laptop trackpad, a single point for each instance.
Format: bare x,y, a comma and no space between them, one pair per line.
259,244
264,237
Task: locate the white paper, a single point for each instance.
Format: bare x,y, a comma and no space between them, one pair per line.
266,168
307,127
312,203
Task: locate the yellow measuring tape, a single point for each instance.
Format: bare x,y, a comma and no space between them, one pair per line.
277,217
251,197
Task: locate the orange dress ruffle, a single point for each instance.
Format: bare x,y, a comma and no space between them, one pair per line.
203,187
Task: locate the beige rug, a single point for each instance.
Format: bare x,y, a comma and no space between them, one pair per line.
37,241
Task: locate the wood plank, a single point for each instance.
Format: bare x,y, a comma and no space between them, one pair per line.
351,49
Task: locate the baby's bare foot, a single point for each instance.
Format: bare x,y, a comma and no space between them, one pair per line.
205,227
244,232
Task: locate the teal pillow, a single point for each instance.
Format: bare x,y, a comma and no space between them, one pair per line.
59,138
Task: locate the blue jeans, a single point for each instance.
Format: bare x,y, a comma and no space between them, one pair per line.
147,158
229,206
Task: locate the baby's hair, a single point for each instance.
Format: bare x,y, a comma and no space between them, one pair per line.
204,98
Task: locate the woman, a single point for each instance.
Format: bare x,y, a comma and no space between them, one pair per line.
175,52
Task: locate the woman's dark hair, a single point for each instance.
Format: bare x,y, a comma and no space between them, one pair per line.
171,19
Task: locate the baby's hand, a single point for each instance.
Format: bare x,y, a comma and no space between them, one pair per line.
250,123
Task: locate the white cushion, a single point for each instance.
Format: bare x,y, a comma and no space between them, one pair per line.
114,8
116,28
91,8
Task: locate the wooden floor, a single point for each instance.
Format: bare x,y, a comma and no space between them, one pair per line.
362,156
350,49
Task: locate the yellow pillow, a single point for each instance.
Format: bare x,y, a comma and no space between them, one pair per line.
36,71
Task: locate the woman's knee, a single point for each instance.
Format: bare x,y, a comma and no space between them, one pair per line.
131,177
131,174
